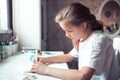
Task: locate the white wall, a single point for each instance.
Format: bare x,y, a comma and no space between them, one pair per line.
26,22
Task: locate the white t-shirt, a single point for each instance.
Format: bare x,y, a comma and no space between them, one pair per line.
97,52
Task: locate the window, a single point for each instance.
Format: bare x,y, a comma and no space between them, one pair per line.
5,15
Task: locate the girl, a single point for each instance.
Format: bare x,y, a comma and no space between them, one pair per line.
96,56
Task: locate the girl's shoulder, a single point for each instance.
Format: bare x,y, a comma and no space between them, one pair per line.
99,36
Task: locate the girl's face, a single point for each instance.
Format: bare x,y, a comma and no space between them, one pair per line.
73,32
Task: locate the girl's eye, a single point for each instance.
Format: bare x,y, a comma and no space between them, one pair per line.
69,31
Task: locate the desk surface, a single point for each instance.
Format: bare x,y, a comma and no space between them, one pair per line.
14,67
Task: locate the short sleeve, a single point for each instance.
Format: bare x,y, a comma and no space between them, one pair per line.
74,53
96,53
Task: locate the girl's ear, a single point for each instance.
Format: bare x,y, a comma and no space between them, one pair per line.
84,25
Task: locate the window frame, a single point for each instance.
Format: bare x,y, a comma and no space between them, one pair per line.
8,17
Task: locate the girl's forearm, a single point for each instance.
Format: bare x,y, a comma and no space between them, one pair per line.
70,74
58,58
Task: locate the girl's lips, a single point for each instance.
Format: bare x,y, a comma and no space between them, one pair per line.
71,38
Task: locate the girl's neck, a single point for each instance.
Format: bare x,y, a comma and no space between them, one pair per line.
86,35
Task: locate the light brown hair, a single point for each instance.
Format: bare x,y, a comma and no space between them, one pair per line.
76,14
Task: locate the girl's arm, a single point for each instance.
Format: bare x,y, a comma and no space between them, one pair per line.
60,58
84,73
56,59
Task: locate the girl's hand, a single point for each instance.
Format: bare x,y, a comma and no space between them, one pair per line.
43,60
39,67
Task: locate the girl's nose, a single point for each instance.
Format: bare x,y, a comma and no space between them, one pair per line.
67,35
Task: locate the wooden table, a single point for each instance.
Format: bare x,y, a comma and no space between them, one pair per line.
14,67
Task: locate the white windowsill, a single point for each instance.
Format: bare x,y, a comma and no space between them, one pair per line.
3,31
